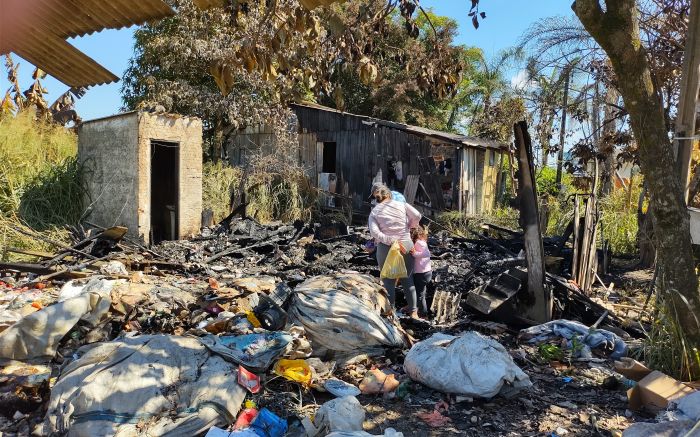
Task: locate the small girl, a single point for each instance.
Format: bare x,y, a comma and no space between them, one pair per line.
422,270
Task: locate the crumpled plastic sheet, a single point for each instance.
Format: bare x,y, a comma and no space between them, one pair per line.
610,342
342,313
254,351
38,334
151,385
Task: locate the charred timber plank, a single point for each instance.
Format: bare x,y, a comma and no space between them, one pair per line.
541,310
232,250
25,267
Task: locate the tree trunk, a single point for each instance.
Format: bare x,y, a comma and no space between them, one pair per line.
617,31
562,131
690,87
607,147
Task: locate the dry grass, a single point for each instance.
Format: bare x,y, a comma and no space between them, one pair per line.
459,223
40,181
271,195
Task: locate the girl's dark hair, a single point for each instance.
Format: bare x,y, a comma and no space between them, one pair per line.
418,232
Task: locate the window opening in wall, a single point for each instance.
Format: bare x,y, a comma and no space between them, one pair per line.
492,158
164,190
329,151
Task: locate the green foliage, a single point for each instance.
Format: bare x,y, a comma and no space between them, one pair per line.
550,352
28,147
40,181
666,347
55,197
546,179
560,215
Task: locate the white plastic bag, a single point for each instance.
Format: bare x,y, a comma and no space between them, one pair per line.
343,313
469,365
341,414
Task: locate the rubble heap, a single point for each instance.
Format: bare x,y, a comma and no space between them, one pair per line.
257,329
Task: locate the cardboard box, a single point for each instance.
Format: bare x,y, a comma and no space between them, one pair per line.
654,391
632,369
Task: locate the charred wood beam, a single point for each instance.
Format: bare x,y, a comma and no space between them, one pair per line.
541,310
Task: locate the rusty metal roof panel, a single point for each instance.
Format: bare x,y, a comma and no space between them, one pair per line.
37,29
435,135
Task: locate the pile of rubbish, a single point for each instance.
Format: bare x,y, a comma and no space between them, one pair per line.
273,330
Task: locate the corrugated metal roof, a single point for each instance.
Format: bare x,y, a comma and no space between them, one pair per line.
37,30
434,135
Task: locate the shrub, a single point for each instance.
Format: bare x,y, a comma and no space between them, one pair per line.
618,213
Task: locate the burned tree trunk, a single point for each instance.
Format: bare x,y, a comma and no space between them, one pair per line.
616,29
541,311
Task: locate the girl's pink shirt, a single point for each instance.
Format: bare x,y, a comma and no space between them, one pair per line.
421,253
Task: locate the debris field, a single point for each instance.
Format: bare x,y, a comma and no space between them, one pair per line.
283,329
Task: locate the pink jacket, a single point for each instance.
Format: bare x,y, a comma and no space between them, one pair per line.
391,220
421,255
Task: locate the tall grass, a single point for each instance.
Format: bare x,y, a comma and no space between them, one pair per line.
219,183
40,181
619,218
271,195
666,347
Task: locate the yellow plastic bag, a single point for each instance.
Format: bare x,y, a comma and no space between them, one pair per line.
394,267
294,370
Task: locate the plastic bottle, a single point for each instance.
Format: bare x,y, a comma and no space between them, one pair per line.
246,418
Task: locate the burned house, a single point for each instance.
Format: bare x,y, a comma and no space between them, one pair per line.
144,172
344,153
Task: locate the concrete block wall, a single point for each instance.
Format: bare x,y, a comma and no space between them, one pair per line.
108,148
117,153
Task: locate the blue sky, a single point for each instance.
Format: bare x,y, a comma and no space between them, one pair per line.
505,22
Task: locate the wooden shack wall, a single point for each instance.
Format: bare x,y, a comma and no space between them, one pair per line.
490,180
361,151
364,149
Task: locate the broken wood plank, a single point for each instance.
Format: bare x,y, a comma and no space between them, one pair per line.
576,222
411,188
233,250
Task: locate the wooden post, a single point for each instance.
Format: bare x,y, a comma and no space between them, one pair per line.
690,87
541,310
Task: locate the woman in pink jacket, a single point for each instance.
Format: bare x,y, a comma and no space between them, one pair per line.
391,221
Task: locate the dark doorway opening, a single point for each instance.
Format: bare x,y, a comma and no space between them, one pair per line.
328,158
164,190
